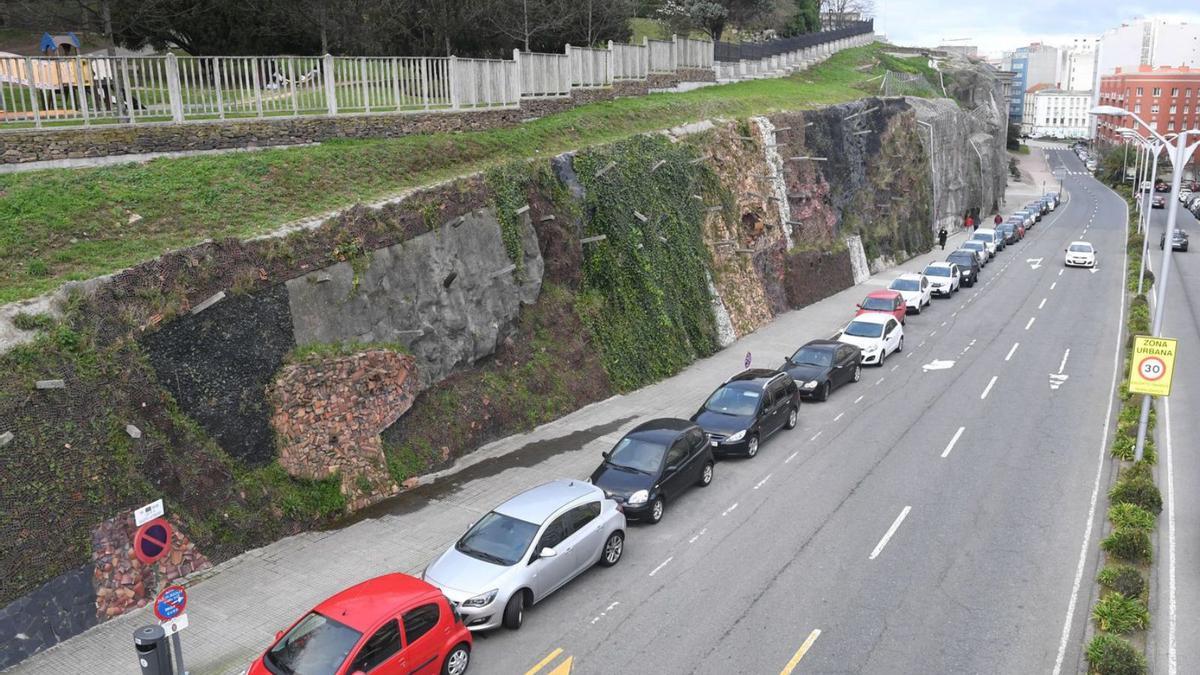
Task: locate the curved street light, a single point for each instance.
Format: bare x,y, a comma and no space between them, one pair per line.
1179,157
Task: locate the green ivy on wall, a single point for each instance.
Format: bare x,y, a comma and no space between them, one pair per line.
507,185
645,294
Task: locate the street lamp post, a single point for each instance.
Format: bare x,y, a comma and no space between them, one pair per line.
1179,156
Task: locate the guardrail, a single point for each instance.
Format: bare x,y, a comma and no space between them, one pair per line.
745,51
74,91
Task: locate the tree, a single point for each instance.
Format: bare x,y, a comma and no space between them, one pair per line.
807,18
841,12
710,16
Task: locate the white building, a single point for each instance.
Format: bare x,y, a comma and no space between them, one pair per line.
1079,64
1055,113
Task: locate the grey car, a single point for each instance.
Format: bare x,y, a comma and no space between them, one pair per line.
527,548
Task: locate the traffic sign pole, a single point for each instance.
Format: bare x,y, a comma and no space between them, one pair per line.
175,647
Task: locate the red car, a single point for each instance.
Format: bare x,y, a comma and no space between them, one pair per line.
888,302
390,625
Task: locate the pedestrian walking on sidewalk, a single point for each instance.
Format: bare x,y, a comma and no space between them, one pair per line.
997,220
970,223
942,234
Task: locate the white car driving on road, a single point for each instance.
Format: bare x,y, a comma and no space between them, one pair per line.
916,291
1080,254
944,278
876,334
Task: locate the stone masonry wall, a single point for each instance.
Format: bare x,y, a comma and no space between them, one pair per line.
328,416
123,582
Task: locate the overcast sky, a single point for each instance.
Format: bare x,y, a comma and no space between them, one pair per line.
996,25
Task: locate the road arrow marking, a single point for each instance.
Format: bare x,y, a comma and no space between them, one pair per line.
937,365
1058,379
1095,269
1034,263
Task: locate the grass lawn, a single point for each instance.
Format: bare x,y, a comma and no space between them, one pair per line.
67,224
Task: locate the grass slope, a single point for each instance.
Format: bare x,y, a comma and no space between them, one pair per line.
60,225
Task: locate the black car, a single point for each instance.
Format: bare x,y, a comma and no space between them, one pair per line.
1009,232
821,366
1038,209
654,464
1179,240
968,265
748,408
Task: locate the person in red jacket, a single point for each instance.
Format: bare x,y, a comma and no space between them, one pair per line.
970,223
997,220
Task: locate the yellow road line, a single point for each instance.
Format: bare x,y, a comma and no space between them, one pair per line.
791,665
542,664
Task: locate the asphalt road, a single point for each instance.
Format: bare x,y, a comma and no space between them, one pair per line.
920,521
1176,601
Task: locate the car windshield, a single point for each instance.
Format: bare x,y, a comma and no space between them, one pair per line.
637,454
317,645
879,304
905,285
1081,248
498,539
733,401
807,356
937,271
982,236
864,329
962,259
973,245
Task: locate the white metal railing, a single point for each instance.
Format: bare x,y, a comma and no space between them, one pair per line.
86,90
590,67
485,83
661,56
693,53
629,62
544,75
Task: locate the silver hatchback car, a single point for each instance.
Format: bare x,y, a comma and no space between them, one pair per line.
527,548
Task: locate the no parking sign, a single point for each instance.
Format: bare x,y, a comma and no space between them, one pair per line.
1152,365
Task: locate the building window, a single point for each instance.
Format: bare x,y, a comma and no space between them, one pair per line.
1172,110
1157,91
1154,109
1171,125
1174,91
1137,108
1126,91
1139,91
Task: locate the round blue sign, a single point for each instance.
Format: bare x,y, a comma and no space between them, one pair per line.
170,603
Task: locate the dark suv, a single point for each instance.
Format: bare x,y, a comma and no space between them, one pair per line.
968,265
654,464
748,408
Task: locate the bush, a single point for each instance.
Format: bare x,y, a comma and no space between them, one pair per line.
1131,515
1138,490
1128,543
25,321
1123,579
1143,469
1112,655
1116,613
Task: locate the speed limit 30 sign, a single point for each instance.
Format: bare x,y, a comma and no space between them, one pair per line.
1152,365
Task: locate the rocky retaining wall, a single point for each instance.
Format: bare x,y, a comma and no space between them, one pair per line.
328,414
122,582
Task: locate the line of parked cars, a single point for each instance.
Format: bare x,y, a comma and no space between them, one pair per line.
533,544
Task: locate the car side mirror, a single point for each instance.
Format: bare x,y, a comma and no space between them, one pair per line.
858,305
547,552
278,634
606,454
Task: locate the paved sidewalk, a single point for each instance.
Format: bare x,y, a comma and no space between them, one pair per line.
235,610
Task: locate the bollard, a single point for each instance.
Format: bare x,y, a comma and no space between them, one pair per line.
154,656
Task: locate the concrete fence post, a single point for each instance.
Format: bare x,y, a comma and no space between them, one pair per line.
454,82
520,74
174,95
31,77
674,63
330,84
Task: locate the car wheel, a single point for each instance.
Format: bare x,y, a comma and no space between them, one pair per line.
614,546
514,611
882,356
706,475
457,660
858,372
900,347
752,446
656,510
918,308
793,418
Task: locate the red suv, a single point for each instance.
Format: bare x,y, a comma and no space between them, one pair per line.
888,302
390,625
